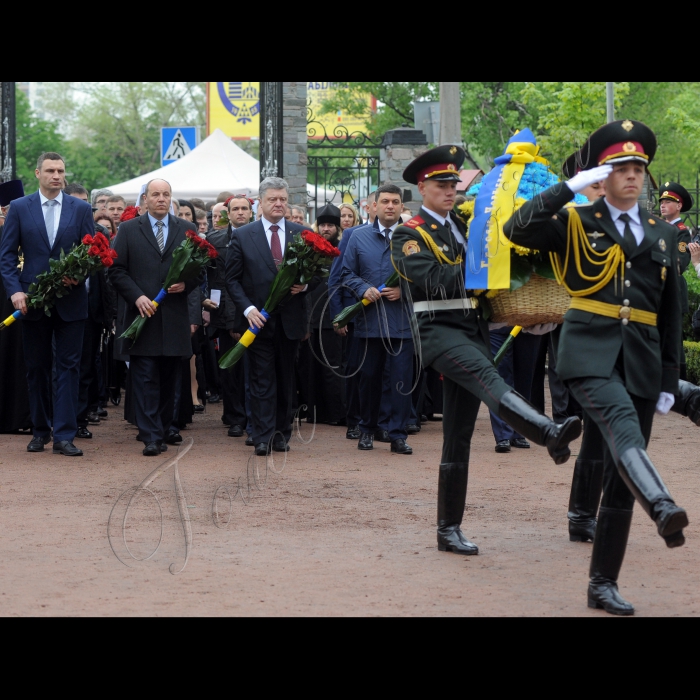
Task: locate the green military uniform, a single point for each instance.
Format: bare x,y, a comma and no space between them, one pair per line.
452,337
620,342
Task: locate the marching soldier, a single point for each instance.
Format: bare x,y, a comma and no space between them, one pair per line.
452,337
619,346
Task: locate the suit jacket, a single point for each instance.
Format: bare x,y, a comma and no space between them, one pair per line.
101,301
140,270
25,228
225,316
250,271
431,279
590,344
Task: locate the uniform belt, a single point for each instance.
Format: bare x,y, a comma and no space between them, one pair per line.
446,305
613,311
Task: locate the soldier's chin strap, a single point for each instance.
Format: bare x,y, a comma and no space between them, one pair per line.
610,260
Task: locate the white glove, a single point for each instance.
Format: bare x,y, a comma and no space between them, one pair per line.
585,178
540,329
665,403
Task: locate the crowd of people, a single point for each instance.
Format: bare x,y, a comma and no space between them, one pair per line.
421,347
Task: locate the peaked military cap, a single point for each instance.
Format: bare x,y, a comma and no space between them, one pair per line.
618,142
330,214
442,163
9,191
677,193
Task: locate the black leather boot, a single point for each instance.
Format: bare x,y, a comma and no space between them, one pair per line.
642,479
609,546
586,489
529,422
688,401
452,496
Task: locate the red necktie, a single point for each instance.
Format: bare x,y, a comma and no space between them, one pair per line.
276,246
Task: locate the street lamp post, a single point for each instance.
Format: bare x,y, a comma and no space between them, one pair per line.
610,99
8,134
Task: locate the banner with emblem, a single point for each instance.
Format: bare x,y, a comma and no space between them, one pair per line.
336,125
234,108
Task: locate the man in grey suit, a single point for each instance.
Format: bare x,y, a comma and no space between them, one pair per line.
255,255
145,248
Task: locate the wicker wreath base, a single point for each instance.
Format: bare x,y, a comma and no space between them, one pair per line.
539,301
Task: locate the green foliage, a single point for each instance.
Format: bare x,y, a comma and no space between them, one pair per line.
34,137
567,114
693,301
692,361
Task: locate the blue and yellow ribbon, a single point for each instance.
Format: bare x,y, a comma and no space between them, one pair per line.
11,319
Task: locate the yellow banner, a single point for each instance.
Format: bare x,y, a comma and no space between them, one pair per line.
234,108
336,125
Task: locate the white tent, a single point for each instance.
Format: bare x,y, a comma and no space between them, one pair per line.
216,165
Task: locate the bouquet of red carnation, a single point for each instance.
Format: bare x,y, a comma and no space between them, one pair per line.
306,256
83,260
129,214
189,259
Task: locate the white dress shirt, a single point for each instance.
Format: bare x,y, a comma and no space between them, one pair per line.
448,222
635,224
166,221
56,209
393,228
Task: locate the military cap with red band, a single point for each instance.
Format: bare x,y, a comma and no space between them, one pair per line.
442,163
618,142
676,193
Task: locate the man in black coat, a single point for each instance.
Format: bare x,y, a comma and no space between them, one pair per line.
257,251
145,248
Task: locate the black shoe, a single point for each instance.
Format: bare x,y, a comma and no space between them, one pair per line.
235,431
249,441
198,408
423,418
262,449
93,418
214,399
280,446
67,449
366,442
413,429
37,444
173,438
84,434
115,396
151,450
162,446
503,446
353,433
452,539
400,447
605,596
382,436
102,413
521,443
677,539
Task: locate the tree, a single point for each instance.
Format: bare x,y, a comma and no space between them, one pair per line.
34,137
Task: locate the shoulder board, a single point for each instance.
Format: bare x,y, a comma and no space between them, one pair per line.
682,227
575,205
415,222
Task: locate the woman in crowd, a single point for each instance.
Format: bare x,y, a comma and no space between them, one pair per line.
103,220
188,211
349,217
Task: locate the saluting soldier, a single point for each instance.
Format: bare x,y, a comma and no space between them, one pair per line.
620,341
429,252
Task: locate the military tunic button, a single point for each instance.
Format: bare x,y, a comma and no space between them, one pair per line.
628,283
594,245
628,265
625,321
626,302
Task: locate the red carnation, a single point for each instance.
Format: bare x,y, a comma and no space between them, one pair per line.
129,214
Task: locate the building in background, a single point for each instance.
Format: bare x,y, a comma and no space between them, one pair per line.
35,93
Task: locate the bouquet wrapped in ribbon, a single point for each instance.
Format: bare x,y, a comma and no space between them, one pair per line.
189,258
349,312
307,256
83,260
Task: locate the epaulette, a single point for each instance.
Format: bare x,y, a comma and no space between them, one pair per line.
682,227
579,206
415,222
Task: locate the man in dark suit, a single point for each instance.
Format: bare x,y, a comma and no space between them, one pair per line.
257,251
145,248
620,343
43,225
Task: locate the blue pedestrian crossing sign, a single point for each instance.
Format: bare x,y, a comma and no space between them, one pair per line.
176,142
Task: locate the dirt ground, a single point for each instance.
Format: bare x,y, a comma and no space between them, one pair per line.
337,533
